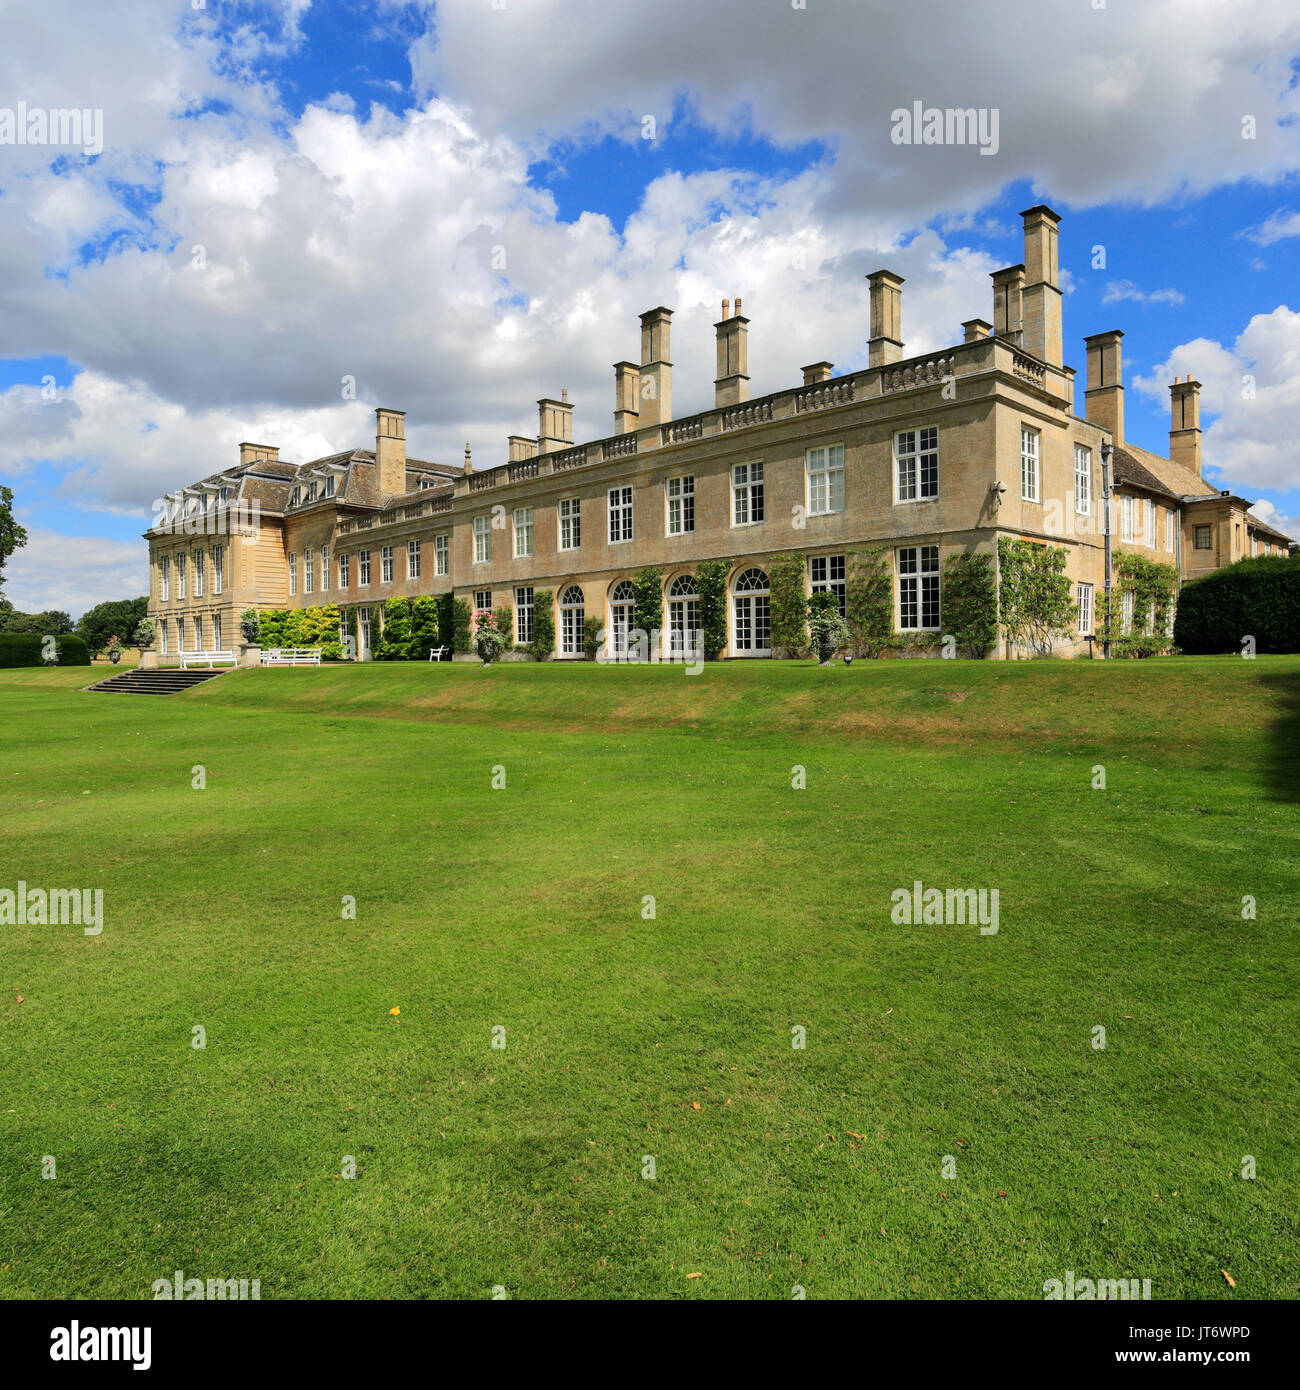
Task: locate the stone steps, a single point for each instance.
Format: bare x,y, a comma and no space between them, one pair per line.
170,682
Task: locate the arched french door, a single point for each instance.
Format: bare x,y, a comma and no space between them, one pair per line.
572,617
751,627
683,615
621,604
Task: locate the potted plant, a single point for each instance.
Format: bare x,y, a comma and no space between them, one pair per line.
143,637
250,625
114,649
488,638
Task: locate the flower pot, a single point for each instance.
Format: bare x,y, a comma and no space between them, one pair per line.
115,657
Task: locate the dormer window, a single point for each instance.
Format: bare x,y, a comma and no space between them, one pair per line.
311,493
329,486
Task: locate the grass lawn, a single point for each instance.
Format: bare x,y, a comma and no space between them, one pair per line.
522,908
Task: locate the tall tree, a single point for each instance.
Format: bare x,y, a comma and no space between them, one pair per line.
116,618
12,536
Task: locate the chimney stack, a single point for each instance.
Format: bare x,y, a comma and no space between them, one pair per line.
520,446
1041,309
1185,424
975,329
817,372
250,453
1104,395
390,450
656,393
1008,289
627,388
886,342
731,386
554,423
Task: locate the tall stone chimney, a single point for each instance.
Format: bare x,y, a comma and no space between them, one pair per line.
975,329
1041,306
627,395
1008,290
656,395
1104,395
886,342
1185,424
731,386
817,372
390,449
520,447
251,453
554,423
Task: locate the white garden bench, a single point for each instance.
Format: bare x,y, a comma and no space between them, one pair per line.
291,656
439,653
209,659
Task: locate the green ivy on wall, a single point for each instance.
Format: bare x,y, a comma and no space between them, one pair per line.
787,605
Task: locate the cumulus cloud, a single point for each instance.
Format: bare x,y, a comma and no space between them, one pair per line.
1251,392
229,270
1277,227
73,573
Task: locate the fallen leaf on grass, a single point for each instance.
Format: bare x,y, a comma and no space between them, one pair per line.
1232,1283
697,1275
695,1105
396,1011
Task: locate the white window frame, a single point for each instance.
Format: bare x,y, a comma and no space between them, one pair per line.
1083,599
1082,480
748,481
1126,532
198,573
523,614
413,559
218,569
1127,599
165,579
569,514
385,564
180,574
572,620
523,525
913,448
363,569
679,495
345,571
830,573
619,502
919,582
324,569
440,555
482,607
1169,529
293,573
482,540
1031,488
824,472
1149,530
308,571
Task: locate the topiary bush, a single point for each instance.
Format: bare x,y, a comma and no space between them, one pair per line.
1257,598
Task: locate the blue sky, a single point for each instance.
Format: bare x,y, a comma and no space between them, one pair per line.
345,167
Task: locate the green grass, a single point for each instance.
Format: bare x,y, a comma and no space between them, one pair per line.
625,1037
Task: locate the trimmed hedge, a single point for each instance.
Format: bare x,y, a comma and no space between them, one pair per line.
1257,598
24,649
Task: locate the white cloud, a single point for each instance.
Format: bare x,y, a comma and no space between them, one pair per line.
1251,391
1119,290
73,573
1277,227
1270,516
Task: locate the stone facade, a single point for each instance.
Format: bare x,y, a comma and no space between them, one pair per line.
922,456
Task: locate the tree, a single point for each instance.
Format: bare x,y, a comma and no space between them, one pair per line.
869,602
711,584
1034,600
787,606
12,536
55,621
970,603
648,601
117,616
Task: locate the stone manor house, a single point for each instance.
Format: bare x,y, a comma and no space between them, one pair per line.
922,455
